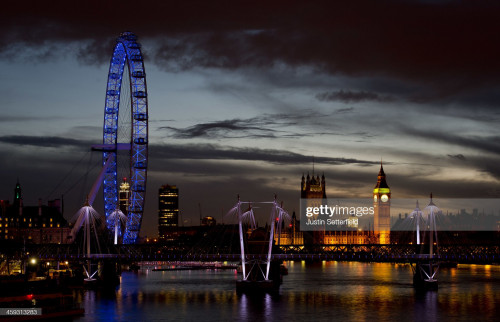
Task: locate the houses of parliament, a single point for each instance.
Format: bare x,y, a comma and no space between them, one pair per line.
314,187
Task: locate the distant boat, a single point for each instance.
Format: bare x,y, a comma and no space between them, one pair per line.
53,304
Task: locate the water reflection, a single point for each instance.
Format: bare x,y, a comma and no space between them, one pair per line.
311,291
257,307
426,306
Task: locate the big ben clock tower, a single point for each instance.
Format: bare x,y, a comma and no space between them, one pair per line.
382,207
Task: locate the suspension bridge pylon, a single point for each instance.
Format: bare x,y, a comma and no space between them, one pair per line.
259,271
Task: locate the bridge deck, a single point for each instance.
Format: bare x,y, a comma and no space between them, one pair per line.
372,253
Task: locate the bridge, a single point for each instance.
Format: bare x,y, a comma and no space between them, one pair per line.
480,253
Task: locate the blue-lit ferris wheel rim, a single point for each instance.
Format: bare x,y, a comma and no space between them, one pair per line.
127,50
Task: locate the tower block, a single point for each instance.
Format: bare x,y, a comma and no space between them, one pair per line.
382,207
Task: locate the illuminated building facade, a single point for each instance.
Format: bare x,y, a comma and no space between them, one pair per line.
42,224
124,196
290,235
168,211
314,189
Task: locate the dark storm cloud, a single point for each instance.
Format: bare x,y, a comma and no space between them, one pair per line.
420,188
22,118
486,166
457,157
95,52
217,152
42,141
412,40
490,144
193,151
491,167
351,97
237,128
265,126
345,110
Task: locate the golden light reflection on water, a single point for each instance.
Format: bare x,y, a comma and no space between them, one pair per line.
346,291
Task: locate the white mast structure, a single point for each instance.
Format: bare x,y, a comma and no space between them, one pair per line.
432,210
87,216
277,216
417,215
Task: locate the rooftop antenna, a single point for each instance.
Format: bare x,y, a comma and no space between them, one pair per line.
313,165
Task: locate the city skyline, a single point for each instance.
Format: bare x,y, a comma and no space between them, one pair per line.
243,97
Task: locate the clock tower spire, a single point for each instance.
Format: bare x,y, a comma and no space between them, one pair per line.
382,206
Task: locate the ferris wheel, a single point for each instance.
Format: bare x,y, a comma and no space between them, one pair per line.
125,134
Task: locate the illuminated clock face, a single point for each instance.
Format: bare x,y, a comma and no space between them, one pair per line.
375,198
384,198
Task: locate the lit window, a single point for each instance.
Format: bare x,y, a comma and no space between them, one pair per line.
51,225
50,219
58,225
43,225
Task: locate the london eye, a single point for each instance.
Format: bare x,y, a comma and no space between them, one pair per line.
125,134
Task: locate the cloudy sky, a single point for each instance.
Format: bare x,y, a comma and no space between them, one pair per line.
243,94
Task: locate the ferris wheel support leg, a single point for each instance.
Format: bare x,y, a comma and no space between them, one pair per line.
97,184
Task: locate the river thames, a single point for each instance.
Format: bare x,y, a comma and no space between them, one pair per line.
344,291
